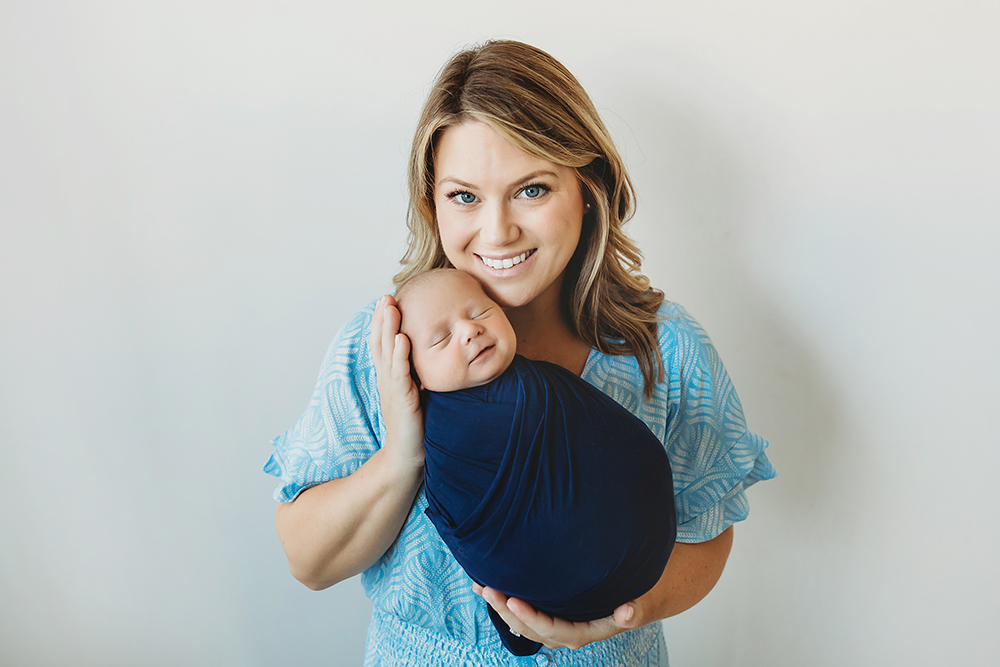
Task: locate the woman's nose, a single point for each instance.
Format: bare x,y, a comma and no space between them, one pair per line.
498,227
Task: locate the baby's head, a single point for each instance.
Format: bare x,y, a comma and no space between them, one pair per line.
459,338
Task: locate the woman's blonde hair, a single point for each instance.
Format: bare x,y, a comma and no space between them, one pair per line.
528,97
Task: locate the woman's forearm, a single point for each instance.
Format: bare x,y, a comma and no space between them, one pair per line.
335,530
691,573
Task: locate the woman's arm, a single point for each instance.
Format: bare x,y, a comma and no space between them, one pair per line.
691,573
335,530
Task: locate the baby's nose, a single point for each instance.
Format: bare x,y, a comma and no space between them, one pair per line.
472,330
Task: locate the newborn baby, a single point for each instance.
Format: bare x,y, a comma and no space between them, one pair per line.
543,487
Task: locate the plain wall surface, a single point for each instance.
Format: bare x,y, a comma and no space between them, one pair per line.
195,195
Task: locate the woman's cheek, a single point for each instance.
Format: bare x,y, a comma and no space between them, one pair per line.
456,247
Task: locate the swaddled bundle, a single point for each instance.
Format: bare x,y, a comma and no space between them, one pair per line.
548,490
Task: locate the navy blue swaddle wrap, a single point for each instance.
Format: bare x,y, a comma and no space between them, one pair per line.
548,490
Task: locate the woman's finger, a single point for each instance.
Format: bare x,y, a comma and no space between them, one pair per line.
401,358
539,623
498,601
627,615
548,630
390,327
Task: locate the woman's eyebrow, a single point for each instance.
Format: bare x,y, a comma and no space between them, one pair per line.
520,181
456,182
535,174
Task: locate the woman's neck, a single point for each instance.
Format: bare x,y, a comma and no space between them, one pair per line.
543,334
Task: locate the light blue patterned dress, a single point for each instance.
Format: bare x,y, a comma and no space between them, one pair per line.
424,610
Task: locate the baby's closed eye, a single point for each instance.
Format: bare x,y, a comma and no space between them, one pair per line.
440,338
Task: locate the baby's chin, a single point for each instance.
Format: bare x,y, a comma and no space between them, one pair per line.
469,384
444,387
495,376
466,385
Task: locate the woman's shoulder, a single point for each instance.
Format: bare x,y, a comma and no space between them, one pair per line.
682,343
358,325
675,320
680,335
348,358
352,337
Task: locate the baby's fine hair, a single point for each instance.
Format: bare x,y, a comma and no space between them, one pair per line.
419,279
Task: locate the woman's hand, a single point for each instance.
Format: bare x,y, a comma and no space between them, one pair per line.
398,393
557,632
691,573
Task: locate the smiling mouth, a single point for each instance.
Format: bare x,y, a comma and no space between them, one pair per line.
483,351
500,264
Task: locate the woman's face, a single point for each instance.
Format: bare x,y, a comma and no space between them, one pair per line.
509,218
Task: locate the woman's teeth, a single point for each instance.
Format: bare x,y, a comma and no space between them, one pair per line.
505,263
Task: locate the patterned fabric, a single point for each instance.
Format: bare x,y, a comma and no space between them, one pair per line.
392,641
425,611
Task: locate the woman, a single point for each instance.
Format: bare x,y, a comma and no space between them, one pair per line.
513,178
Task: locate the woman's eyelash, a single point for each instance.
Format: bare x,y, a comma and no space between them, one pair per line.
458,193
540,186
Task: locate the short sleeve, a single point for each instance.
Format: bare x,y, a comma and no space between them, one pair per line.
697,415
713,455
341,427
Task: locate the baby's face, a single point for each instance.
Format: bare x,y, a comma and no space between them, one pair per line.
459,338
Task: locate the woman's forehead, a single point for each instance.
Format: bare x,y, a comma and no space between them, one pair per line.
473,152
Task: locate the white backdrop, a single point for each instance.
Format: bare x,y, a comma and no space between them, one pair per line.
195,195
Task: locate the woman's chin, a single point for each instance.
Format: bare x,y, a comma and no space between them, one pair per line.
509,296
513,297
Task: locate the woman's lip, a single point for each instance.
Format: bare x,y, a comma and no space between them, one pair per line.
513,270
500,258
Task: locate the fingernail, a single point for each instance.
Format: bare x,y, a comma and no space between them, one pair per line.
629,614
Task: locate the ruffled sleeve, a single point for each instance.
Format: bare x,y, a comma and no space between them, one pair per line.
341,428
697,415
714,457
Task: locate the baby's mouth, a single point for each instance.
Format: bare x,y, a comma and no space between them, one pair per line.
483,351
499,264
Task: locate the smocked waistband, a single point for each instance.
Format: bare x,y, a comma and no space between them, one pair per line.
392,642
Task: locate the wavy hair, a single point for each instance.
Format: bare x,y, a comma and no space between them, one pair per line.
528,98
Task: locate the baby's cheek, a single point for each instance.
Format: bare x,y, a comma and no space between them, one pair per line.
418,366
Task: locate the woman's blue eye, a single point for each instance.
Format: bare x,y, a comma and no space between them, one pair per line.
466,197
533,191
